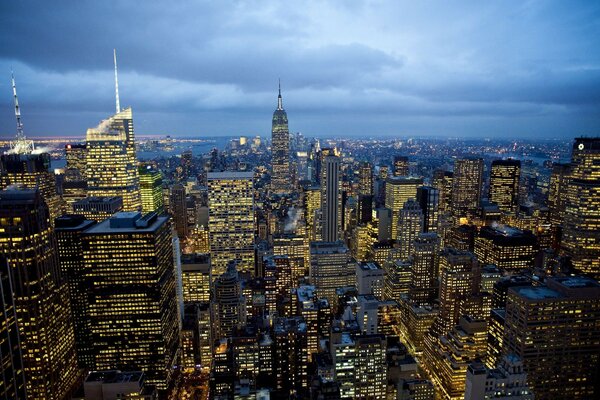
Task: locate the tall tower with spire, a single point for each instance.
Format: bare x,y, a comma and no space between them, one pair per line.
280,149
21,145
111,157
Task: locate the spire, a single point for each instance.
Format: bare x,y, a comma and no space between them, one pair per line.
279,99
21,145
116,82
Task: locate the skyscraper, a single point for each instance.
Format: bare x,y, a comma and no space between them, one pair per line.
428,198
133,308
398,190
504,184
365,179
557,192
331,207
466,187
231,220
581,226
12,379
151,190
111,161
410,225
400,166
229,304
553,330
40,294
280,149
178,207
508,248
331,267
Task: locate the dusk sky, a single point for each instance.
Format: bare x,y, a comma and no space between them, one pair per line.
348,68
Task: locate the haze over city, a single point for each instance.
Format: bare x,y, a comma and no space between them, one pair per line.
371,68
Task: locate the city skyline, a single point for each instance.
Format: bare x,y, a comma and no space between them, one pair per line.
477,70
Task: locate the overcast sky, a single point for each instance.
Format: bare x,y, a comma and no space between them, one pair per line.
359,68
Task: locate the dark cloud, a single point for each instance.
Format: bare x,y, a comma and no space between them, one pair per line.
381,67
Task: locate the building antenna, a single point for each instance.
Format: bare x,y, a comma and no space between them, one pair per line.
21,145
116,82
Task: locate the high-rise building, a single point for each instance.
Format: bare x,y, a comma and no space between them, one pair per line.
428,198
443,181
504,184
75,155
178,206
229,304
231,220
369,279
508,381
68,229
466,187
398,190
557,192
40,294
151,191
581,226
32,171
331,267
331,195
133,306
397,279
111,168
553,329
401,166
370,367
410,225
196,278
12,379
280,149
365,178
424,262
508,248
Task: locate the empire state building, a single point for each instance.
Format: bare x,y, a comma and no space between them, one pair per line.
280,147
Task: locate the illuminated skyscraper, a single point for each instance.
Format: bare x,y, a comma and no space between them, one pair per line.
557,192
12,380
280,149
410,225
229,304
365,178
41,296
69,229
111,161
331,267
32,171
466,187
504,184
331,196
400,166
98,208
443,181
509,249
231,220
553,329
75,155
196,278
581,226
423,277
398,190
133,309
151,191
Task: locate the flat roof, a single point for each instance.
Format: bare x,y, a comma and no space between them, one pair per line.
537,292
230,175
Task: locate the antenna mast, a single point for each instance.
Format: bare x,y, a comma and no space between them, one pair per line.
116,82
21,145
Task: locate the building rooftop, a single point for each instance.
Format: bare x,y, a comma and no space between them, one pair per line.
122,222
537,292
230,175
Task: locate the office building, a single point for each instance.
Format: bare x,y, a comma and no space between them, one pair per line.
75,156
557,192
68,230
331,267
398,190
443,181
178,206
280,149
370,367
508,248
581,226
365,178
553,329
401,166
151,191
40,295
397,279
231,220
133,305
423,268
467,183
331,195
428,198
111,164
410,226
229,303
369,279
32,171
12,379
504,184
98,208
508,381
115,385
196,278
